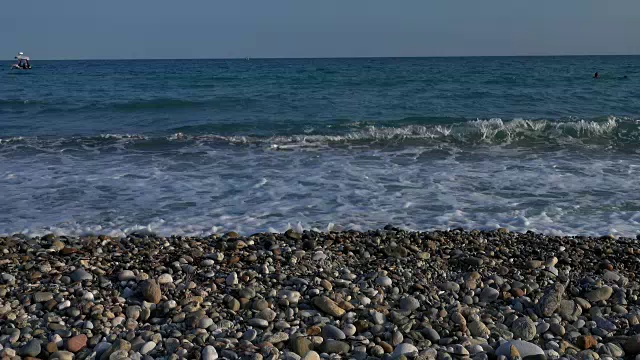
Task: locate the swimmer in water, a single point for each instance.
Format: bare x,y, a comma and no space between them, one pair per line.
595,76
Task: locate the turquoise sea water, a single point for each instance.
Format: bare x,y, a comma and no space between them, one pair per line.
201,146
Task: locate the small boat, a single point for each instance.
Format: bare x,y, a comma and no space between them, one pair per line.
23,62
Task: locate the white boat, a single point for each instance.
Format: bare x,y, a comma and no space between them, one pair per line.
23,62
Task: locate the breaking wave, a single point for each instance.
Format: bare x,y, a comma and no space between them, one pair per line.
611,133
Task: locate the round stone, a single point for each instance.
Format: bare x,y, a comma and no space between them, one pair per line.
431,335
209,353
489,294
332,332
147,347
405,349
524,348
409,303
80,275
479,329
165,279
599,294
126,275
32,348
523,328
77,343
249,335
349,329
384,281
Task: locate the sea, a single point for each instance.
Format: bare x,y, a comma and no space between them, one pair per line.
195,147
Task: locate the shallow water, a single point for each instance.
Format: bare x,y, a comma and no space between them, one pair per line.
201,146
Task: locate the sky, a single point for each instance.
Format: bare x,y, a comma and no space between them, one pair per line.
81,29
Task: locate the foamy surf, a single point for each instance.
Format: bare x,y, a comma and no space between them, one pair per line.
613,133
192,187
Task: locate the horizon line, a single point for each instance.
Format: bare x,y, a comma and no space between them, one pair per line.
328,57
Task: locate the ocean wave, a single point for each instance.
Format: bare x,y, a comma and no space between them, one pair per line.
12,140
611,133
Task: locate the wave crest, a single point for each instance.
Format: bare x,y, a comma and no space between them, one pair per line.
611,132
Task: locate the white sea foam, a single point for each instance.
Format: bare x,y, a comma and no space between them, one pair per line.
491,131
253,189
194,187
613,132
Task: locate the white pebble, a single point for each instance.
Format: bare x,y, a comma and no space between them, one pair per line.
232,279
209,353
165,279
63,305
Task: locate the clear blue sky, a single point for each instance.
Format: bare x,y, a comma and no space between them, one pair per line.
73,29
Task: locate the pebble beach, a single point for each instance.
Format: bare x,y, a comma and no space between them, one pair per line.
383,294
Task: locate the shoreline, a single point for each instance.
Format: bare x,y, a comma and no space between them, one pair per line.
384,293
142,232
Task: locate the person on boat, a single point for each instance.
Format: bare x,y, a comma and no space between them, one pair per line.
23,61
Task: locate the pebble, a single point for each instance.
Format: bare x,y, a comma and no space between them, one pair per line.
384,281
332,332
335,347
569,310
551,299
232,279
479,329
599,294
165,279
40,297
615,350
62,355
311,355
523,328
80,275
524,348
126,275
300,345
209,353
292,296
278,337
32,348
557,329
489,294
151,291
349,330
611,276
262,323
328,306
409,303
451,286
397,338
205,323
147,347
378,318
534,264
77,343
542,328
431,335
405,349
